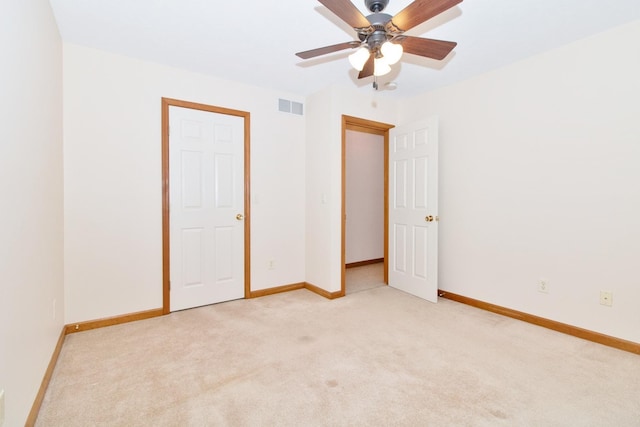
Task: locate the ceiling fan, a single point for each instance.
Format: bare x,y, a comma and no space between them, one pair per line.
381,36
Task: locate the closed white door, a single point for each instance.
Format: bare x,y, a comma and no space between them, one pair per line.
413,209
206,208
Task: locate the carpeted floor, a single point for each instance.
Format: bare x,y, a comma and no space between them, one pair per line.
363,278
373,358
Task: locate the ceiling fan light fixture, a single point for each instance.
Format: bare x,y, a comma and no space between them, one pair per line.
392,52
358,58
380,67
381,42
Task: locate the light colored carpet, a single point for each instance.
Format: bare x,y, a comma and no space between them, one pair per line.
373,358
363,278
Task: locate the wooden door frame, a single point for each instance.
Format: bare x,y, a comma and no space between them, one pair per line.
166,103
375,128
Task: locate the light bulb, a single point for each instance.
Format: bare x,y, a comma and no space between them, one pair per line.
392,52
359,58
380,67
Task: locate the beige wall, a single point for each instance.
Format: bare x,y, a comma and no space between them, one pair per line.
31,192
324,171
113,253
540,178
364,196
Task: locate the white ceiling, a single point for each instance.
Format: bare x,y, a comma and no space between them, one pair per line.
254,41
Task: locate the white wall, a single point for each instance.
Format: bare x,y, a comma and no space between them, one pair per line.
540,178
364,201
113,262
31,192
320,147
324,171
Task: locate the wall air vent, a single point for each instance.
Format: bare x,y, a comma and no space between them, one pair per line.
296,108
284,105
292,107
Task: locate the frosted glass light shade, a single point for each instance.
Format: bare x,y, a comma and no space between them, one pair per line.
359,58
380,67
392,52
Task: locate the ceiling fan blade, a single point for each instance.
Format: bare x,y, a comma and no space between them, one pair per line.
430,48
327,49
367,70
346,11
418,12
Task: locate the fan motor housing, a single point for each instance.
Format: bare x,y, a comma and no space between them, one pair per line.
379,20
376,6
379,35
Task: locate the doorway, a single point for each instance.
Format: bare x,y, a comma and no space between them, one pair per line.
350,123
206,227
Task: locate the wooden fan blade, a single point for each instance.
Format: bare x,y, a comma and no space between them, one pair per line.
430,48
346,11
327,49
418,12
367,70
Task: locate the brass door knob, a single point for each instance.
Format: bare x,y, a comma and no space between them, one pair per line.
239,217
429,218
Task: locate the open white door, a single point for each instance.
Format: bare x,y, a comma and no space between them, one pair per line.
413,208
206,157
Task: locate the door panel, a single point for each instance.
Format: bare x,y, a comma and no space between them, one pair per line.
421,182
400,195
421,252
192,256
223,181
206,193
414,257
223,256
399,259
191,179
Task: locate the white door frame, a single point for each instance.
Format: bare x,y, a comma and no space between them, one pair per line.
166,103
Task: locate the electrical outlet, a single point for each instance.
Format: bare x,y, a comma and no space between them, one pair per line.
606,298
543,286
1,407
272,264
